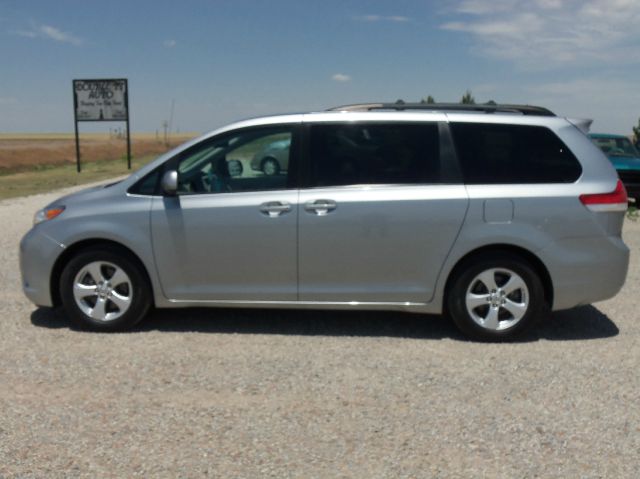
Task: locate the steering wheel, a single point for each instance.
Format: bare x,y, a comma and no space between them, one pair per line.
210,183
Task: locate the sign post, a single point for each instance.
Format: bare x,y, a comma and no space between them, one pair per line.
101,100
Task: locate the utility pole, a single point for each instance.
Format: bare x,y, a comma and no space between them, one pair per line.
165,125
173,104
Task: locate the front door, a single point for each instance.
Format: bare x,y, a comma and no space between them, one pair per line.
231,232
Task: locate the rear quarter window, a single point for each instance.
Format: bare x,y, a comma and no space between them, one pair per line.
508,154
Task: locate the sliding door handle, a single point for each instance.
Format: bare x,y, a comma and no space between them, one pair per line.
320,207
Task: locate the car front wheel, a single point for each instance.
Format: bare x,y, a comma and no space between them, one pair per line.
104,290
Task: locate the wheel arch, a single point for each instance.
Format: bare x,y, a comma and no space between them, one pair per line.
86,244
524,253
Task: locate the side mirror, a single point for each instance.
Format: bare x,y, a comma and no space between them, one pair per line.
169,183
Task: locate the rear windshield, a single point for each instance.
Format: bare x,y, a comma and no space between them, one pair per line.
503,154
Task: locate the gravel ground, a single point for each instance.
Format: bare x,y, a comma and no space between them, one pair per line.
246,393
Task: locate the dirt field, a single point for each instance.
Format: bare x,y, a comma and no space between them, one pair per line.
253,394
21,152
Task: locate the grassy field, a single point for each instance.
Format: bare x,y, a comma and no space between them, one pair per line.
86,136
36,163
47,178
26,152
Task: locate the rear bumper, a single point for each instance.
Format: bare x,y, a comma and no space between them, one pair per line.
38,254
586,270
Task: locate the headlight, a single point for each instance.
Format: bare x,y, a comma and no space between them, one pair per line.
47,214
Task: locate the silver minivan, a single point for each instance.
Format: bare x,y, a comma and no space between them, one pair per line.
491,214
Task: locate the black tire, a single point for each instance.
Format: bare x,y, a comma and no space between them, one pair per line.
502,267
270,166
136,291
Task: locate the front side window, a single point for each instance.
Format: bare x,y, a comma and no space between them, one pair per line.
147,185
248,160
512,154
374,153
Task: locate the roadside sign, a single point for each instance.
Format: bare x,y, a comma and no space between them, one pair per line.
101,100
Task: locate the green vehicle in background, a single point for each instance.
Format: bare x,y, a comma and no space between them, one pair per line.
625,158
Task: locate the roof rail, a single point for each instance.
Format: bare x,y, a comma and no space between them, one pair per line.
484,108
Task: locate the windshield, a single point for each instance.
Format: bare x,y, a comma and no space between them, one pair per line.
616,147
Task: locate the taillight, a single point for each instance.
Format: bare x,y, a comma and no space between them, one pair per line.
614,201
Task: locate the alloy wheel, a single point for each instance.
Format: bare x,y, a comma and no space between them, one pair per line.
103,291
497,299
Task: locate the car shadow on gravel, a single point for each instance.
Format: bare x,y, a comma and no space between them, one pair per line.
582,323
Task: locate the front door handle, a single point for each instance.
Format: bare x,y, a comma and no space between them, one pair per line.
320,207
273,209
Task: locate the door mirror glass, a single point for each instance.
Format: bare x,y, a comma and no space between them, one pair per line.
170,183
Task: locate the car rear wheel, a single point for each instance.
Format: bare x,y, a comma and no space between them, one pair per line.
104,290
495,297
270,166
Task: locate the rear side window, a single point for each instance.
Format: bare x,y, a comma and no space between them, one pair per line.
374,153
502,154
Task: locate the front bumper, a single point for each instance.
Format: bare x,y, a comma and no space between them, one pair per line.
38,254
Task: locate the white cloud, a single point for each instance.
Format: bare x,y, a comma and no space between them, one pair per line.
26,33
515,27
169,43
341,77
382,18
543,34
482,7
397,18
550,4
58,35
50,33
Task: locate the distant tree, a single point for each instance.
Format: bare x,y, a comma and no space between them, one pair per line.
399,101
429,100
491,102
467,98
636,133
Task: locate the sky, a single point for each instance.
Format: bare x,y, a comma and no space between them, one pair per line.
219,61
